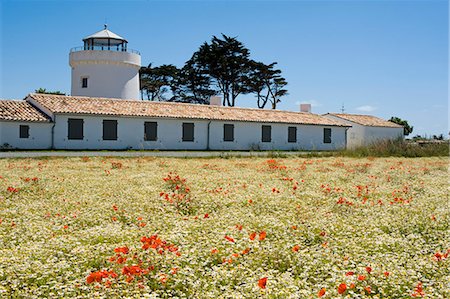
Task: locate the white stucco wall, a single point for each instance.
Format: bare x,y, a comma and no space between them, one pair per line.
359,135
130,134
374,134
110,74
40,135
247,135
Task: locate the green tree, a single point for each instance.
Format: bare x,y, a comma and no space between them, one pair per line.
43,90
193,84
227,61
267,83
156,82
407,129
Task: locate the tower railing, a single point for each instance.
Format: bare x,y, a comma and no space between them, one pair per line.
104,48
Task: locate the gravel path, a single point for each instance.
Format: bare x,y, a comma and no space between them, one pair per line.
182,154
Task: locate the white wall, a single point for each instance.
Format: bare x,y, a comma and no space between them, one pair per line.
130,134
110,74
373,134
247,135
359,135
40,135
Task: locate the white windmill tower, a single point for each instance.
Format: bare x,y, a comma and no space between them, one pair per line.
105,67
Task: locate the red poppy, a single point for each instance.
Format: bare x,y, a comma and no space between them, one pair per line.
296,248
342,288
386,273
321,293
368,269
262,235
262,282
350,273
368,289
229,239
361,277
252,236
123,250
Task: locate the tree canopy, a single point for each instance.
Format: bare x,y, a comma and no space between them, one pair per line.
222,66
43,90
407,129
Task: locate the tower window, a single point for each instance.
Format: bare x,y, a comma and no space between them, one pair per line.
84,82
24,131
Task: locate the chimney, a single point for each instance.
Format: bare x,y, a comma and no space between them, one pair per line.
215,101
305,108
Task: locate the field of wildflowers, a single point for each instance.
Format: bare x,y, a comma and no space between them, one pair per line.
224,228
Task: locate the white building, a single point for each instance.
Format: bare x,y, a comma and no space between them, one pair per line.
367,129
101,123
104,112
23,126
105,67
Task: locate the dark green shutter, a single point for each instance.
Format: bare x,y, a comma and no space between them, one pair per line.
292,134
24,131
75,128
110,130
326,135
188,132
266,134
150,131
228,132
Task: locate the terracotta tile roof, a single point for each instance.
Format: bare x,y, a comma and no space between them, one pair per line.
366,120
118,107
20,111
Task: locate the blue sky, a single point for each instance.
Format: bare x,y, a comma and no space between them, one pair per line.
386,58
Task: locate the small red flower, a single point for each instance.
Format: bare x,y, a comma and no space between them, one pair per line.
321,293
368,269
123,250
252,236
296,248
361,277
350,273
262,235
262,282
229,239
342,288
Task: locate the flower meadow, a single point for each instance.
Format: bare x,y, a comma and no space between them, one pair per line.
224,228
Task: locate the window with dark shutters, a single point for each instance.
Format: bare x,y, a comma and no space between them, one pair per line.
75,128
266,134
150,131
24,131
292,134
84,82
326,135
188,132
228,132
110,130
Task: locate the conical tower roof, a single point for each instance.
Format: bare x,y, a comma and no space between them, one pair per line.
105,34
